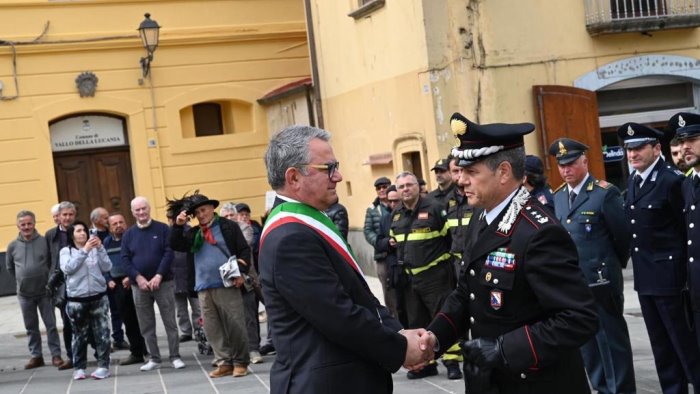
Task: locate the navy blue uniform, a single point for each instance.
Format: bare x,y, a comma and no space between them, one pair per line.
596,223
691,207
655,214
544,196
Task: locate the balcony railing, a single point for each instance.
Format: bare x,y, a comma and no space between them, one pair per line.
620,16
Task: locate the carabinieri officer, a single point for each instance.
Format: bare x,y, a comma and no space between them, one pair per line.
522,294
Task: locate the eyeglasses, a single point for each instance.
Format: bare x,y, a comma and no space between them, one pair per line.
394,201
405,185
383,186
331,167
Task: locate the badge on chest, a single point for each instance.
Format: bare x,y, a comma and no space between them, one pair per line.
496,299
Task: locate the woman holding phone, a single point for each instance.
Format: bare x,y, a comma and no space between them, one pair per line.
83,262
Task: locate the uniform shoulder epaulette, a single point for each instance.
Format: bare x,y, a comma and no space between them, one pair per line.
559,188
677,171
603,183
536,215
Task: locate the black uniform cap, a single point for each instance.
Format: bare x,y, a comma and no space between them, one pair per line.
533,164
566,150
441,164
474,142
685,124
635,135
382,181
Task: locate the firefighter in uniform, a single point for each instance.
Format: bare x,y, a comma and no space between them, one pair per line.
522,295
688,132
446,187
459,213
654,209
420,234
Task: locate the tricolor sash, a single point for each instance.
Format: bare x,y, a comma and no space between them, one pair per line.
296,212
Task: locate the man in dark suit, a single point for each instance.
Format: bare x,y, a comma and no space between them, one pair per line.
687,126
654,209
522,293
592,212
331,333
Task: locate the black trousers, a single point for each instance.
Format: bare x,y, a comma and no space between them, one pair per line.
127,311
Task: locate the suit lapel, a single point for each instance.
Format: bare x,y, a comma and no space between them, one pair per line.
649,183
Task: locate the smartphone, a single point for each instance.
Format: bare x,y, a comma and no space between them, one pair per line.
93,232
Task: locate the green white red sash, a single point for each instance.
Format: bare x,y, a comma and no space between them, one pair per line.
296,212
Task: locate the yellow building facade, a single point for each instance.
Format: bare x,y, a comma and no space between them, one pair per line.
392,72
79,120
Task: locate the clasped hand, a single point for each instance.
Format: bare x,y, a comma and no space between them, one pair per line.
419,349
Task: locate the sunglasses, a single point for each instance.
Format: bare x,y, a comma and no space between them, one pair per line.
331,167
394,201
380,187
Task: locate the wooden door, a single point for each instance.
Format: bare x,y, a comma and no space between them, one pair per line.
565,111
95,179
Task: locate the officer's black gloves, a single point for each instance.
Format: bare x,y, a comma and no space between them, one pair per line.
477,380
485,352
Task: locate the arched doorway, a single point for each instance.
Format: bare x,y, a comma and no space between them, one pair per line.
92,163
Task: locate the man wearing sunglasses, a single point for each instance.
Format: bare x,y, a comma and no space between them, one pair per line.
373,217
332,335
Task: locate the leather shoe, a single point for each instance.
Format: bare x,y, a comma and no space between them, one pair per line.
34,362
453,370
267,349
240,370
221,371
185,338
67,364
121,345
429,370
56,361
132,359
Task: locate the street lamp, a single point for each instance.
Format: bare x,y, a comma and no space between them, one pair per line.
148,30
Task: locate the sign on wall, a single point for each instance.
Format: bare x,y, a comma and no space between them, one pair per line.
87,132
612,154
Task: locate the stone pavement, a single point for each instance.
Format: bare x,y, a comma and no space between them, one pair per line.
194,378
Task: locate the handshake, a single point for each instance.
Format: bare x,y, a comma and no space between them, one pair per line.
420,348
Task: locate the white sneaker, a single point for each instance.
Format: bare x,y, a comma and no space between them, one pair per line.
255,357
150,366
100,373
178,363
79,374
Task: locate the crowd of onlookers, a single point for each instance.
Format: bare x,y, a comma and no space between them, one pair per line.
105,277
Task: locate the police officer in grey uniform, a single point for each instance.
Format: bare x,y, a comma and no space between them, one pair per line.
654,208
591,210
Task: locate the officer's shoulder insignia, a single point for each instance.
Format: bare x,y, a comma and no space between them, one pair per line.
535,215
542,199
602,183
559,188
452,203
396,217
676,171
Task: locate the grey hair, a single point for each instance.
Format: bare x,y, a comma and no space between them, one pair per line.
66,205
516,158
95,214
290,148
230,207
54,209
24,213
140,199
405,174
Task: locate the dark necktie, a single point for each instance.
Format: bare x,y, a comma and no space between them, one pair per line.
637,183
572,197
